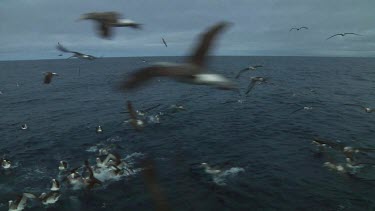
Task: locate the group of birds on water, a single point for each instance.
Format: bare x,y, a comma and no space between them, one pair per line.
109,166
193,71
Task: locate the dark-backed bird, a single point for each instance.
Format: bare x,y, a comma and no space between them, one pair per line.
134,120
366,109
248,68
165,43
303,27
48,77
75,53
343,34
20,203
254,81
303,108
49,198
107,20
91,180
193,72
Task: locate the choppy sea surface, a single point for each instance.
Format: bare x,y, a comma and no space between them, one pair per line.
262,147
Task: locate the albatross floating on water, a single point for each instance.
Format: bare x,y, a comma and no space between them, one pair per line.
193,72
107,20
75,53
248,68
343,34
367,109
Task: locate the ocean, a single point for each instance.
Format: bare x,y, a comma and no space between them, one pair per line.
261,145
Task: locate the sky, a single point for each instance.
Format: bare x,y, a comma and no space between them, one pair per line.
30,29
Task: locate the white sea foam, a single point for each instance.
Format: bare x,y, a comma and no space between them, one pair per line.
223,176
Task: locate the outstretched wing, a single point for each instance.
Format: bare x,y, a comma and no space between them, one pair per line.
353,34
151,108
133,117
205,43
256,66
165,43
132,113
303,27
331,144
241,71
292,29
48,78
104,30
250,87
334,36
296,110
62,48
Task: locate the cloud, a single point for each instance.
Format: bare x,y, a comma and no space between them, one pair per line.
30,29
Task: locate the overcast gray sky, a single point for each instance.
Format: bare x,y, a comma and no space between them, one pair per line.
30,29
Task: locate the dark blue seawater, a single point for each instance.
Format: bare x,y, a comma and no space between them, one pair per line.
265,152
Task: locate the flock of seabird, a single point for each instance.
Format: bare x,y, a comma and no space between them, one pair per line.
192,71
109,165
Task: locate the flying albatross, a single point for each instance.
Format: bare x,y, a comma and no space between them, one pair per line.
343,34
254,81
193,72
48,77
75,53
248,68
134,121
107,20
165,43
303,27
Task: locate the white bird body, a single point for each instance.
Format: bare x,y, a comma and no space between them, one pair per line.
210,170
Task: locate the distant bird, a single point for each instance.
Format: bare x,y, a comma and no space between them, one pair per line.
165,43
254,81
75,53
48,77
63,166
107,20
209,170
99,129
303,108
343,34
134,121
20,203
248,68
60,54
366,109
5,163
24,127
303,27
193,72
55,185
